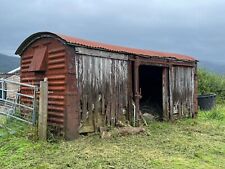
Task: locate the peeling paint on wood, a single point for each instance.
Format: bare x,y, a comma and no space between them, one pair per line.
182,92
104,82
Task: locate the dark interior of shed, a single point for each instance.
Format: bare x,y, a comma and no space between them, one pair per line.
150,83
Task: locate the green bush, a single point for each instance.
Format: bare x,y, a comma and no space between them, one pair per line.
209,82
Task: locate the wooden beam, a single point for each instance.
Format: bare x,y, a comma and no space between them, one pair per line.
136,88
165,94
43,110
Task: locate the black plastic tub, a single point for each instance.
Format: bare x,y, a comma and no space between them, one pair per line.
207,101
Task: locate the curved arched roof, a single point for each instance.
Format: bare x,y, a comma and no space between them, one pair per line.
98,45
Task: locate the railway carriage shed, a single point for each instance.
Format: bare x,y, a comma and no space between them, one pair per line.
93,84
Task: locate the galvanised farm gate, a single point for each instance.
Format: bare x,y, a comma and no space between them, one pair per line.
93,84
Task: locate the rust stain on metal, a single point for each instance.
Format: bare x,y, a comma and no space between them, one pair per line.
115,48
54,71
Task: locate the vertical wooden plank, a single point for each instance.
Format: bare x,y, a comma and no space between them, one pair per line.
108,90
116,97
179,88
84,108
192,92
171,82
91,91
103,91
102,87
137,94
165,94
98,90
87,124
82,92
121,92
130,90
125,88
195,90
112,93
43,110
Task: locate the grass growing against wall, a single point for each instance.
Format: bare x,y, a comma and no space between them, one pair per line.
188,143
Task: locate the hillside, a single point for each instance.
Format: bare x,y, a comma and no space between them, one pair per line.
212,66
8,63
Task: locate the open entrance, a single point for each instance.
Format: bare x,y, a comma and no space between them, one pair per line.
150,83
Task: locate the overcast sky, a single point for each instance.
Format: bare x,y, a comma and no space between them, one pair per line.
191,27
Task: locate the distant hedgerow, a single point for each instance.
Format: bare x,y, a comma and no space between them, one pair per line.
209,82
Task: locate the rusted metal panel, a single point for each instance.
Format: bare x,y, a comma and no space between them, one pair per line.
101,46
55,60
38,62
72,114
56,74
102,86
120,49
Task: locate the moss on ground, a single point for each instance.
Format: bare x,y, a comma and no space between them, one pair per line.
187,143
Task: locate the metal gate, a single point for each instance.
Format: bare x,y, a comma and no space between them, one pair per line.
13,103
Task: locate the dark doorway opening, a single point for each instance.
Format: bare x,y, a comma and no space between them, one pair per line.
150,83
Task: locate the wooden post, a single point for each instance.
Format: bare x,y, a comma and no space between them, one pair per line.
43,110
137,92
165,94
171,86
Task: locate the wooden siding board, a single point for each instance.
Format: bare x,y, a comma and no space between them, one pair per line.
182,92
105,84
100,53
170,93
165,94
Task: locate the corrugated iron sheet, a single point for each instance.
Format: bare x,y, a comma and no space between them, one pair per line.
55,72
115,48
97,45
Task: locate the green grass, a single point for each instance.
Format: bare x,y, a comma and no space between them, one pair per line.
188,143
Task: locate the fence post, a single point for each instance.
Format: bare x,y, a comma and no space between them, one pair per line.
2,89
43,110
34,113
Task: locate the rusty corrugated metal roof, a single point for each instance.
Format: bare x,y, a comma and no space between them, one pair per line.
103,46
115,48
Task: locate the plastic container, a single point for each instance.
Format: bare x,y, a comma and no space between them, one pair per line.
207,101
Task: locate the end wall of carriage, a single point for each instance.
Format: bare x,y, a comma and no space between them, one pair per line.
50,58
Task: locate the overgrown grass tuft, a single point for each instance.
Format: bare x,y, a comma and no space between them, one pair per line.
216,113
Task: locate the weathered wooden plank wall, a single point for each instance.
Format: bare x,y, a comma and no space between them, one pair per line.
182,91
103,89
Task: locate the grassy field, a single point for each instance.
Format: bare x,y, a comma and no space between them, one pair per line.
188,143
